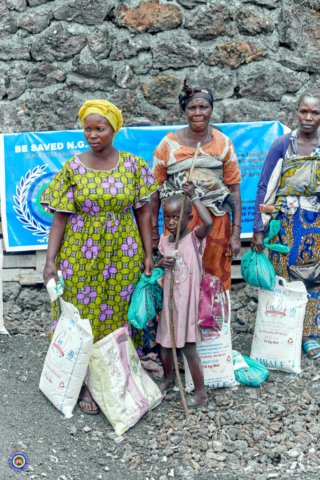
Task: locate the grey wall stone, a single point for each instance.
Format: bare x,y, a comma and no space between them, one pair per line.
257,55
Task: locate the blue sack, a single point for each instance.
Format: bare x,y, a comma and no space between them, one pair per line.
146,300
257,270
252,376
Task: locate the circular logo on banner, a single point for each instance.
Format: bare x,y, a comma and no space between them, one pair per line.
34,196
19,461
27,201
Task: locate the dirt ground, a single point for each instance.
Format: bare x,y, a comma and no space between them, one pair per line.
245,433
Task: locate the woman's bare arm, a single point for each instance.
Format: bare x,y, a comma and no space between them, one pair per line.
234,240
55,239
143,217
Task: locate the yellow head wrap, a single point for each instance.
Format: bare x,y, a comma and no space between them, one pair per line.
103,108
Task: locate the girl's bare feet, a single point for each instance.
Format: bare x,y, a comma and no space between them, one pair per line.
197,400
166,386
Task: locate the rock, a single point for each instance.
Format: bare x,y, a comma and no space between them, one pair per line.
85,64
94,12
36,3
293,17
44,74
150,16
176,56
124,48
162,90
222,85
99,43
73,430
57,44
8,23
11,291
190,3
89,12
260,81
35,21
207,23
264,3
68,12
234,53
251,292
217,457
293,453
14,52
33,298
124,76
18,5
218,446
300,60
252,306
250,110
251,23
243,316
86,429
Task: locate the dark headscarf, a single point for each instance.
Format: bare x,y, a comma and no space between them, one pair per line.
188,93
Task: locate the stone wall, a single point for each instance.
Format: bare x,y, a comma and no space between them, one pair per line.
257,55
27,310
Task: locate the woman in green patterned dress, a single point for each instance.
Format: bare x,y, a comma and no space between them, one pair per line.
101,231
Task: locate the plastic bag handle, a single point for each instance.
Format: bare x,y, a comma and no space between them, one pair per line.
274,228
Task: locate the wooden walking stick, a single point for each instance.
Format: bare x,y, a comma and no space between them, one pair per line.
172,333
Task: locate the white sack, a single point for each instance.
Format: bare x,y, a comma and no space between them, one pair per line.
118,383
279,324
67,359
215,352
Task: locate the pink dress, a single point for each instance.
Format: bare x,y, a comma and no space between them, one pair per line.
185,294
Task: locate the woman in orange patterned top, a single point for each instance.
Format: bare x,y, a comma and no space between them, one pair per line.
216,177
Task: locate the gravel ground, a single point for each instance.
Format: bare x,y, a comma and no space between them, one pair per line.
244,433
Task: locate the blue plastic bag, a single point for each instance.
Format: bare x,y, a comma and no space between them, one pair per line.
146,300
252,376
257,270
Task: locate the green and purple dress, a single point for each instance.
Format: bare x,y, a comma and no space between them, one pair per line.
101,253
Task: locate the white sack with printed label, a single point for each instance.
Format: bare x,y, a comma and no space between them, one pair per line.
279,324
67,359
118,383
215,352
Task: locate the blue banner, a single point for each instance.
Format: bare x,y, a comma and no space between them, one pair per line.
30,160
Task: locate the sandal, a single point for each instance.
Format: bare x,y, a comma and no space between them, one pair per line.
309,346
192,402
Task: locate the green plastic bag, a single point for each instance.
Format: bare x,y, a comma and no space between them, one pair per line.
274,229
146,300
257,270
252,376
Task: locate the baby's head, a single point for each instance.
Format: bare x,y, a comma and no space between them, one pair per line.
171,212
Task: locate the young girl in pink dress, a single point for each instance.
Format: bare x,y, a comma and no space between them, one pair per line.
186,289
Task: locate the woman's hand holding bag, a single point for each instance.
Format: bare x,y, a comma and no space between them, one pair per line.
256,268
